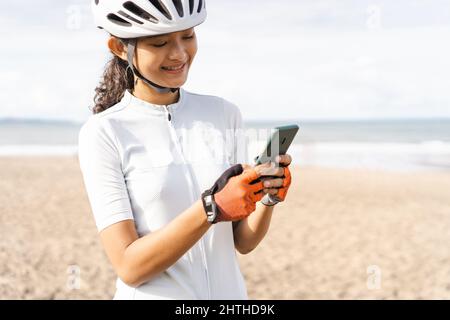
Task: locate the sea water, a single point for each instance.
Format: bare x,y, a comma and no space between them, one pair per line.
399,145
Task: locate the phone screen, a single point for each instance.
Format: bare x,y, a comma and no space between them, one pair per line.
278,144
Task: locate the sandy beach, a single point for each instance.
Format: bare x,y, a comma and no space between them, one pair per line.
341,234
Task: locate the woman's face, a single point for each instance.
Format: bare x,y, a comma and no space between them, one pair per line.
154,55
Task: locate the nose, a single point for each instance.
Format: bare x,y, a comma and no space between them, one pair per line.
178,51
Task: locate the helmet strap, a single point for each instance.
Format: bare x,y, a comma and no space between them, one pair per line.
131,47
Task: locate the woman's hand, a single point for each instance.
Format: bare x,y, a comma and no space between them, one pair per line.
237,196
276,176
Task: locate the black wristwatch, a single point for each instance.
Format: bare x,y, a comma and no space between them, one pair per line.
210,206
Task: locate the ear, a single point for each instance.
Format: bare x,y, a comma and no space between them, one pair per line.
117,47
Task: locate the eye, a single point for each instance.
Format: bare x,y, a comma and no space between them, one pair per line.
159,45
164,43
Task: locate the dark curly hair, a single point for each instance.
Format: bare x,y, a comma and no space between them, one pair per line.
115,80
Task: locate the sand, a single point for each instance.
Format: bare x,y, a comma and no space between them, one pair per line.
341,234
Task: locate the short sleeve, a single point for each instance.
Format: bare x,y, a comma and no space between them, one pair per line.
239,144
102,174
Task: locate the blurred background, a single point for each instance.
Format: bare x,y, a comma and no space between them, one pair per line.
367,82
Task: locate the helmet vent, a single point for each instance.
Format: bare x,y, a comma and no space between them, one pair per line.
200,5
118,20
179,6
191,6
134,8
161,8
129,17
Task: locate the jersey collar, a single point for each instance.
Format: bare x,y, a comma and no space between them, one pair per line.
151,108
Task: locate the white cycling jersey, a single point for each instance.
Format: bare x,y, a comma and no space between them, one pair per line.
149,163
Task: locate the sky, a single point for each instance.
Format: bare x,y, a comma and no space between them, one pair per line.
276,60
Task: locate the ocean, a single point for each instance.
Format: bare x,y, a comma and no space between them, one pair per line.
394,145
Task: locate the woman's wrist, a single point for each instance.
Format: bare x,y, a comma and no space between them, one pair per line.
199,208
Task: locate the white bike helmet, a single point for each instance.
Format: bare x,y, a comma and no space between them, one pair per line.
143,18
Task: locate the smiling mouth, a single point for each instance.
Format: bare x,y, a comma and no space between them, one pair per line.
176,68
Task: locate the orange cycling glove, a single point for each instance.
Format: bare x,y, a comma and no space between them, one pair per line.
269,199
233,195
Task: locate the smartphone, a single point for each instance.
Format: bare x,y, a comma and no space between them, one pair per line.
278,144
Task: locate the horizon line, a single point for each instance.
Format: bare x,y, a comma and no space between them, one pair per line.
250,120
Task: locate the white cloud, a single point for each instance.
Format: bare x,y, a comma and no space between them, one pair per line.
401,72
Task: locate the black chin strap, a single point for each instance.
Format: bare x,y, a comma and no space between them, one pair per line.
130,54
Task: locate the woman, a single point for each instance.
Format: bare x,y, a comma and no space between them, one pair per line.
161,165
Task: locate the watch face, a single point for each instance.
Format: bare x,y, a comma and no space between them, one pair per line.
211,216
210,207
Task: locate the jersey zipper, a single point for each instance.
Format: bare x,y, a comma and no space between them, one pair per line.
175,139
